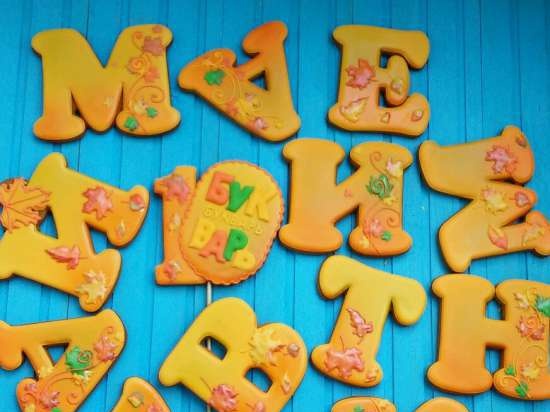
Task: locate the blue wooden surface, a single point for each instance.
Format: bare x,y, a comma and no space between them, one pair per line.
489,67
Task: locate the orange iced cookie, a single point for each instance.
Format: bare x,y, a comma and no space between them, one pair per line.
362,79
266,112
139,396
317,202
133,88
94,343
491,173
357,404
350,355
220,229
466,334
77,202
274,348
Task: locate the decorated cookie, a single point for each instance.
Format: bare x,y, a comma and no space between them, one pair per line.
133,87
350,355
375,190
490,173
362,79
139,396
466,334
94,343
77,202
221,229
274,348
266,112
358,404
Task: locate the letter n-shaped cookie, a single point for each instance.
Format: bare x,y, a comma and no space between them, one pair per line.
490,173
274,348
466,334
133,86
370,294
317,202
94,343
67,262
268,113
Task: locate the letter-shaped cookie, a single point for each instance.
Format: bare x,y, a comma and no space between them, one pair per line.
491,173
274,348
268,113
360,404
133,87
139,396
362,79
94,343
67,262
370,294
317,202
466,334
221,228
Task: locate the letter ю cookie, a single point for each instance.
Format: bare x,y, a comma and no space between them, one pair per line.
220,229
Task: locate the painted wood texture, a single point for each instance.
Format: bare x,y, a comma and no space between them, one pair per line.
489,67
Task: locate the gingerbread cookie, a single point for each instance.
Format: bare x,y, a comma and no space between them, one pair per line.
133,87
491,173
139,396
357,404
375,189
67,262
274,348
94,343
268,113
350,356
362,79
466,334
222,229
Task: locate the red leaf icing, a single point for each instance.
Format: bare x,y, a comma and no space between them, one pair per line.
99,201
502,158
360,75
176,188
64,254
223,398
358,323
344,361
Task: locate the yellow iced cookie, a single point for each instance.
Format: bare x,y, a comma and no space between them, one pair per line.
94,343
133,87
358,404
77,202
222,229
362,79
139,396
490,173
317,202
268,113
350,356
466,334
274,348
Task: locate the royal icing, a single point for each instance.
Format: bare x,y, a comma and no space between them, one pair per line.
275,349
375,190
133,87
350,355
362,79
77,202
490,173
360,404
266,112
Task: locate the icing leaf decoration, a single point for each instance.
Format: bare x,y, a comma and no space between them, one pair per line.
259,407
510,370
21,204
99,201
360,75
523,302
45,371
372,228
223,398
502,159
344,362
94,286
105,349
498,237
137,204
131,123
358,323
136,399
32,408
532,233
542,304
358,408
176,188
395,169
78,361
494,201
264,346
531,327
214,77
286,385
530,371
151,112
380,186
155,407
522,390
521,199
49,399
386,236
153,45
354,109
64,254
